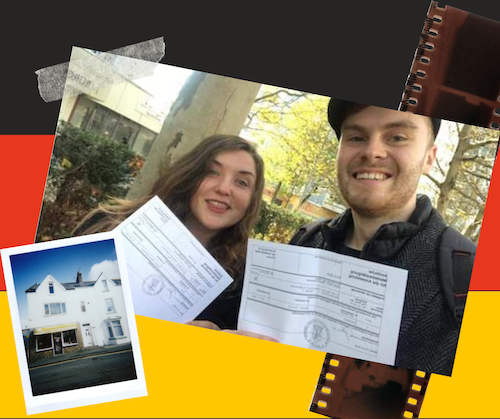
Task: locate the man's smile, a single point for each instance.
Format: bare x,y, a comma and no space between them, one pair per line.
371,176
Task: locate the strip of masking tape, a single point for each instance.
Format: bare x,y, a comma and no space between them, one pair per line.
89,71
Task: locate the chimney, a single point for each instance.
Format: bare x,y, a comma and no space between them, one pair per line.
79,277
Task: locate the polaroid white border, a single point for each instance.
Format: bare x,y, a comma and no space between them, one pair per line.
85,396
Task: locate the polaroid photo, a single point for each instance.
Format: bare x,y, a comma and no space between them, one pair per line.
74,324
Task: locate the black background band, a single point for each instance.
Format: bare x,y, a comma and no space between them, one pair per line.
359,50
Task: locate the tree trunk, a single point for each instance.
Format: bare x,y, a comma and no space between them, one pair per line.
276,192
292,190
306,195
207,104
455,164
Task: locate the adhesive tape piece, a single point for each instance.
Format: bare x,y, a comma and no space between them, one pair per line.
90,70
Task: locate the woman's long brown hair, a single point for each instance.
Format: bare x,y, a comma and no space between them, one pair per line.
176,188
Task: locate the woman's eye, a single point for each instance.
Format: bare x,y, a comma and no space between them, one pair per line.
242,182
213,172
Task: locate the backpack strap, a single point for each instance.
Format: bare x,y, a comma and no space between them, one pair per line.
306,232
456,259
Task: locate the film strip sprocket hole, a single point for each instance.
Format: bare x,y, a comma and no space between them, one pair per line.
350,388
442,83
429,41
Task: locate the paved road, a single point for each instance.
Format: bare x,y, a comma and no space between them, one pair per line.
91,370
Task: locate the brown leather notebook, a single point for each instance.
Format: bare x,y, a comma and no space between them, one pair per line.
350,388
455,73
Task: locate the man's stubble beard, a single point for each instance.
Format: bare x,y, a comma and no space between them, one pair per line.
369,206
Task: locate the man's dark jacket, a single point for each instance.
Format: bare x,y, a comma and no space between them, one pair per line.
428,335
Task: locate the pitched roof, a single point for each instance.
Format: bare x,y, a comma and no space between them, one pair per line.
73,285
33,288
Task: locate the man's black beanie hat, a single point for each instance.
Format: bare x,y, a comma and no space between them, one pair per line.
339,110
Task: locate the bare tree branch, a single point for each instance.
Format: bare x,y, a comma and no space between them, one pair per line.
464,195
277,92
478,192
472,146
478,175
440,167
480,161
434,180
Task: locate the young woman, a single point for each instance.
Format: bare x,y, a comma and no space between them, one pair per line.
215,190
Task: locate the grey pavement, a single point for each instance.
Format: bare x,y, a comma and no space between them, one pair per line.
101,350
87,368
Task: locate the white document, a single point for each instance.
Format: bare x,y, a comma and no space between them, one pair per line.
172,276
322,300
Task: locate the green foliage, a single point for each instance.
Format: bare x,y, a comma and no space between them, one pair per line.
85,169
296,141
278,224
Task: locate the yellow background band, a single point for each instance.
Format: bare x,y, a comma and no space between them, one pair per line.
192,372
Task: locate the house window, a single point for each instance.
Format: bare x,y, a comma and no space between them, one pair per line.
43,342
105,285
55,308
115,329
69,337
51,288
110,308
82,306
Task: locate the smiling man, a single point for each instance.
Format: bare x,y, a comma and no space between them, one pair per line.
381,156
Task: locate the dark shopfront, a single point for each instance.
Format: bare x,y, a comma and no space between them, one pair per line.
46,342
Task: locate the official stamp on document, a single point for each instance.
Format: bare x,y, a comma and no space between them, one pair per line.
152,285
317,334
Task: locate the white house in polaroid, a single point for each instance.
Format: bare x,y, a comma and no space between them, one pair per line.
69,317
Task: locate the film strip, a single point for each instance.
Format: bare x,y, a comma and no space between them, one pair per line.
455,74
350,388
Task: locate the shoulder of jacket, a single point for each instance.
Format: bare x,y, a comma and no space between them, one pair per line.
307,231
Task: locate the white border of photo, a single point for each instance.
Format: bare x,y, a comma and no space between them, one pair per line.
83,396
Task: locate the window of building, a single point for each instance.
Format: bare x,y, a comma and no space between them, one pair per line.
82,306
51,288
55,308
105,285
44,342
69,337
115,329
318,197
102,121
110,308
